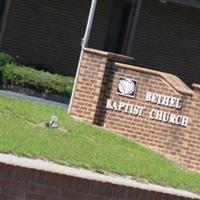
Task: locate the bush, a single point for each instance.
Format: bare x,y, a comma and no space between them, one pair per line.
45,81
4,59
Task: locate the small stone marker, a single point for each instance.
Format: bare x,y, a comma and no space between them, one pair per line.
52,122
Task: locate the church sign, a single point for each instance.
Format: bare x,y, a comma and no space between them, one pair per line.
154,108
128,87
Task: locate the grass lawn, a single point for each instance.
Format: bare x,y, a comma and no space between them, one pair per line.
81,144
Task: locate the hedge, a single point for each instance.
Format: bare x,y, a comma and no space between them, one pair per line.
22,76
4,59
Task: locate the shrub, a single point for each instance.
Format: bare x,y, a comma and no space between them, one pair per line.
26,76
4,59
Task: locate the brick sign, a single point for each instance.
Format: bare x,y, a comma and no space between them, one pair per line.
154,108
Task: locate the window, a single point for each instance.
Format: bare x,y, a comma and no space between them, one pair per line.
120,25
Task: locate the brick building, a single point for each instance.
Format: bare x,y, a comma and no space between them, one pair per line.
159,34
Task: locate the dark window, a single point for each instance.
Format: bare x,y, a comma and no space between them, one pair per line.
120,26
4,7
2,3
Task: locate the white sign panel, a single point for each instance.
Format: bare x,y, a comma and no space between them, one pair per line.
127,87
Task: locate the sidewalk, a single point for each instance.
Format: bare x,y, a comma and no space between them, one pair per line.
36,99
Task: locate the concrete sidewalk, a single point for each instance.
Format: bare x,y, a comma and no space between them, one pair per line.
36,99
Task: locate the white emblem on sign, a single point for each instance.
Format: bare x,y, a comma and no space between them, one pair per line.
127,87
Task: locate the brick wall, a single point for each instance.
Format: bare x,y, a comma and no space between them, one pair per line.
190,152
48,34
22,183
167,39
98,81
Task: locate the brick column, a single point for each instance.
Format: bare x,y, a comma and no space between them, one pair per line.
91,79
190,151
89,84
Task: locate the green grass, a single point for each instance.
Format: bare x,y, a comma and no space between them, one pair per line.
81,144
